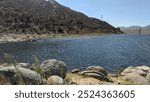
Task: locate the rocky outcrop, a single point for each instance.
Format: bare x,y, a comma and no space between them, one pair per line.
54,67
55,73
139,75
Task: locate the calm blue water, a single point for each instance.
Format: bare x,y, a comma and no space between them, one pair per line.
112,52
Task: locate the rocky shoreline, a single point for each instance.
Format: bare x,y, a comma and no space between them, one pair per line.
22,37
33,37
54,72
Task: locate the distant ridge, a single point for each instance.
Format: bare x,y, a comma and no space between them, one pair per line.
47,16
148,26
135,29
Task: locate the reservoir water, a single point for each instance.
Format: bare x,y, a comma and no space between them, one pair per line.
112,52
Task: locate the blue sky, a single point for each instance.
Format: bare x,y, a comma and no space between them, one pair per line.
116,12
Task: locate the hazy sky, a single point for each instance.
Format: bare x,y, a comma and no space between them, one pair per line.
116,12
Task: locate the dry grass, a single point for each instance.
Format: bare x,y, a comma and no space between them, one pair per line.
82,80
4,81
119,81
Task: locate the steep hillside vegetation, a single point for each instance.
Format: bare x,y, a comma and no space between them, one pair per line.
47,17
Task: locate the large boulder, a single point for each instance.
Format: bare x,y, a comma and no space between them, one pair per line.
54,67
135,78
55,80
19,75
137,70
97,69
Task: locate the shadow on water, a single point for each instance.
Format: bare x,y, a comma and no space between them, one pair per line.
112,52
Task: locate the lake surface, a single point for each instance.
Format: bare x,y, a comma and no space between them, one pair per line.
112,52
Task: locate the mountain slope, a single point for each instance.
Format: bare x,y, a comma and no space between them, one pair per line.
40,16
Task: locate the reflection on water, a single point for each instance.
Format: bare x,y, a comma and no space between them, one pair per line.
111,52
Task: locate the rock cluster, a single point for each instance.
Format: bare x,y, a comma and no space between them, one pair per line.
93,75
54,72
19,75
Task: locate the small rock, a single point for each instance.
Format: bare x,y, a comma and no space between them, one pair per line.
98,69
5,64
72,83
54,67
1,66
55,80
148,77
135,78
24,65
112,75
108,83
75,71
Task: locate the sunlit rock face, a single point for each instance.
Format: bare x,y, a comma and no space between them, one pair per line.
51,1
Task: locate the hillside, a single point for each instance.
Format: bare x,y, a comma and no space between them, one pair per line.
135,29
47,17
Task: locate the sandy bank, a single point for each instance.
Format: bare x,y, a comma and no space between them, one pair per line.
24,37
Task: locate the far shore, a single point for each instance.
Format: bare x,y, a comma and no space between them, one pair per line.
10,37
